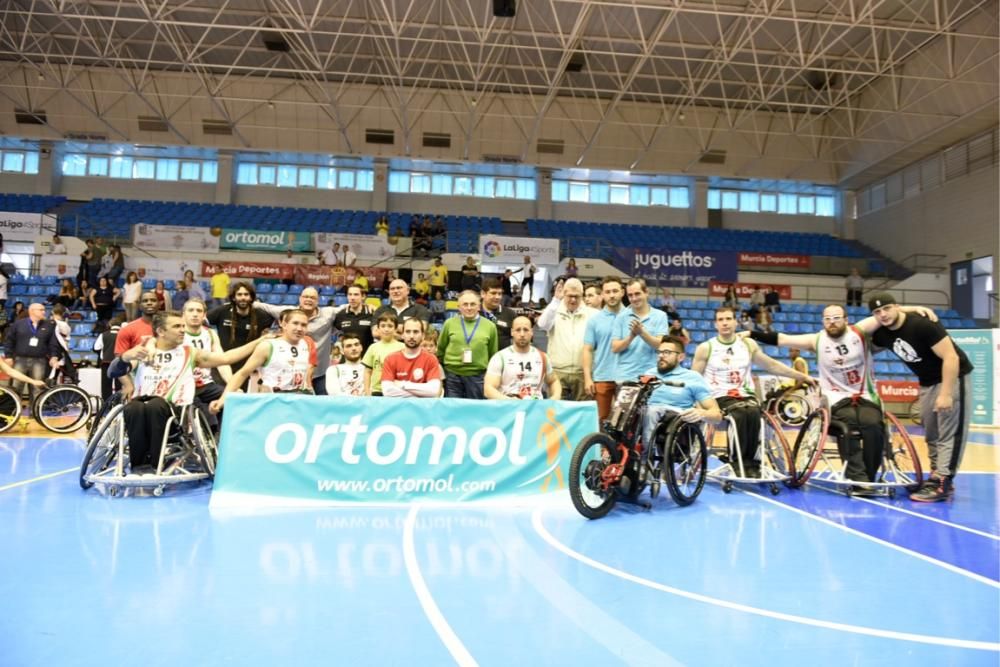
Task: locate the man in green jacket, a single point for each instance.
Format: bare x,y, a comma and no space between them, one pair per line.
465,346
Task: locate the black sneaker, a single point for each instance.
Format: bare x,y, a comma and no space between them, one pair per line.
864,491
934,493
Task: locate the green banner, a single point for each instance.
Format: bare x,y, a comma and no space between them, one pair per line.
259,239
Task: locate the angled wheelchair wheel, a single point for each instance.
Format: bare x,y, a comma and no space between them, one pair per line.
590,458
685,462
776,449
63,408
791,408
902,464
102,448
10,408
208,450
809,446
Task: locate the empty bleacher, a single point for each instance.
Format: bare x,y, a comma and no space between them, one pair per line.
18,203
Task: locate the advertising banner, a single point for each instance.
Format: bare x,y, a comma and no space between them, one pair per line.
898,391
744,290
67,266
176,238
281,449
370,247
677,268
269,240
302,274
22,226
512,250
983,349
773,259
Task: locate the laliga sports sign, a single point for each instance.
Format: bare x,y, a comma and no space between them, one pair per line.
512,249
278,449
22,226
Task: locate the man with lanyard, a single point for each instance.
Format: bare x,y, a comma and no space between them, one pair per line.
400,304
599,363
320,330
412,372
348,377
847,379
237,322
945,375
285,362
565,320
693,402
726,361
202,338
521,370
637,333
33,343
494,311
465,347
164,380
357,318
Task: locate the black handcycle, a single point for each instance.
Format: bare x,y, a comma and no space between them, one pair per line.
616,465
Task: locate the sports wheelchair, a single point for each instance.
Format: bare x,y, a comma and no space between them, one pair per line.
816,456
773,454
614,464
60,408
788,405
188,452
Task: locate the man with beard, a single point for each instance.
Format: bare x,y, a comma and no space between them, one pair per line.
348,377
237,322
598,361
356,319
692,402
411,372
725,361
521,371
494,311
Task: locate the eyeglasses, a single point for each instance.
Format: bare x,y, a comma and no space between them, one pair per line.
666,353
833,319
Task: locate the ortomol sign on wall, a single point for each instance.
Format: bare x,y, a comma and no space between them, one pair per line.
279,449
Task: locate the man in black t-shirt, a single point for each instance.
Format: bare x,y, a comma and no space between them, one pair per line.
356,318
238,322
944,372
494,311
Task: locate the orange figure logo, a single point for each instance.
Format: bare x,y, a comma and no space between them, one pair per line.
551,436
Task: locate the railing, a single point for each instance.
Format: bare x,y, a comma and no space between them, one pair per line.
922,262
822,294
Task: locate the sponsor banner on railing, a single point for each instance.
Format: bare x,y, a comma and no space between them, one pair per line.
262,239
67,266
773,259
744,290
366,247
282,449
675,267
303,274
513,249
176,238
982,346
22,226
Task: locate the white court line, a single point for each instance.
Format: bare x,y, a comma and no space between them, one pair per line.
536,521
957,526
885,543
438,621
50,475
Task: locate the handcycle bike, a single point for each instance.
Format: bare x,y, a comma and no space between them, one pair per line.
615,464
62,407
817,457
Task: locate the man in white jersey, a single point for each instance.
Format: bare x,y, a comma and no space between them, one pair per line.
726,362
201,337
348,377
521,370
164,380
286,363
412,372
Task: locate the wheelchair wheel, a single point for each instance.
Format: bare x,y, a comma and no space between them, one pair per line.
208,450
809,446
902,465
10,408
103,445
63,408
590,458
686,462
775,445
791,408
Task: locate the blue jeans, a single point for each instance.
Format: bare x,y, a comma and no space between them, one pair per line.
463,386
654,414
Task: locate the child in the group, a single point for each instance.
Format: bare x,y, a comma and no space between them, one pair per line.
385,329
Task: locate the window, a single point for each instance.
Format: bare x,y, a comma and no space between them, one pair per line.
121,167
750,202
826,206
190,171
579,192
560,191
659,197
526,188
600,193
287,176
788,204
267,174
74,165
399,181
326,178
365,181
680,198
97,166
31,162
13,161
210,171
420,183
768,202
504,188
714,199
246,174
143,168
441,184
167,170
307,177
346,178
619,194
639,195
807,205
463,186
730,200
483,186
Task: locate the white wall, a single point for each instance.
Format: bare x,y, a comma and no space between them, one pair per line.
252,195
631,215
505,209
87,188
780,223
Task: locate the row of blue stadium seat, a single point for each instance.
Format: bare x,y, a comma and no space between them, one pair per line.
20,203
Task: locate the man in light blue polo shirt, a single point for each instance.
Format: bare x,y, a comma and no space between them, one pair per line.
637,333
599,363
693,402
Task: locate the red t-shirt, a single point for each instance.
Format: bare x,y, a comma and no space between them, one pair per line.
132,334
422,368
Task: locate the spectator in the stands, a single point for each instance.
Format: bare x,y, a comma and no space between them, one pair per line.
220,286
350,259
361,280
382,226
180,296
439,276
112,265
3,295
161,295
730,299
439,230
421,288
508,287
67,294
400,304
387,278
130,295
92,256
746,322
756,301
855,285
103,297
772,300
437,307
57,247
63,335
104,345
571,269
194,289
470,274
332,256
765,323
669,305
677,330
82,301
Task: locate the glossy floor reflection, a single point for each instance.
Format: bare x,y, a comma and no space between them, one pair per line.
743,578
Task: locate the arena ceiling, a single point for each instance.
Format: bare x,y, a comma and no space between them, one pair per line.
840,91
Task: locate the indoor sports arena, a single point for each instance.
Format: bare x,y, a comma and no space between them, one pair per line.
493,332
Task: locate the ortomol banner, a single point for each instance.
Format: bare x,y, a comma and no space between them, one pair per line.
677,268
278,449
263,239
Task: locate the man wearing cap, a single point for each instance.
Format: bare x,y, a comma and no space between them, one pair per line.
944,372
